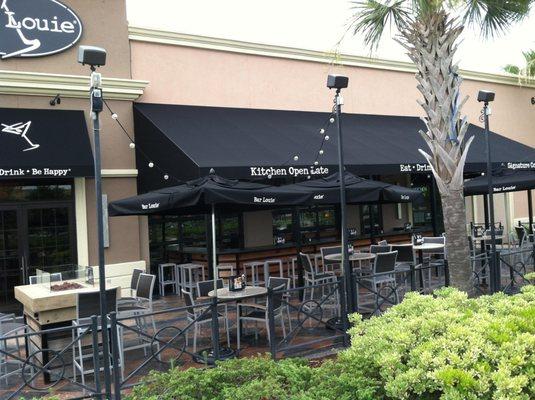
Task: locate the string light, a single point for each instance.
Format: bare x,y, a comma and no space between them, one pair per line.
133,145
327,137
321,151
322,131
331,120
316,162
296,158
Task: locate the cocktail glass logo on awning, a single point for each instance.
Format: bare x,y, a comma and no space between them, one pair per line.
21,129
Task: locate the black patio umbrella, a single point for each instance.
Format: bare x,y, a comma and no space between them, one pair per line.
358,190
502,182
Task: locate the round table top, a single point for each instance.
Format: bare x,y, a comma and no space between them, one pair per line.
249,291
352,256
429,246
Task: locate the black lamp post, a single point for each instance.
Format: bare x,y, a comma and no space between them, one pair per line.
339,82
486,97
96,57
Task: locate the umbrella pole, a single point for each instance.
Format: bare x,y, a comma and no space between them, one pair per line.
530,211
214,250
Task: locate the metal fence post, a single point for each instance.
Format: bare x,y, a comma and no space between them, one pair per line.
343,308
215,329
116,359
446,273
96,361
271,324
413,277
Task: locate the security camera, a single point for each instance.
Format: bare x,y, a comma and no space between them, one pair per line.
91,55
533,101
55,100
337,82
485,96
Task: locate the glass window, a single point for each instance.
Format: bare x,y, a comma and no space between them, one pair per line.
282,226
422,211
370,215
229,231
194,231
16,192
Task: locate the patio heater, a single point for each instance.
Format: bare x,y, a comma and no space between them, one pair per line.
340,82
96,57
486,97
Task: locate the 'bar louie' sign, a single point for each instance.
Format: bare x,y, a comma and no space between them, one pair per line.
30,28
270,172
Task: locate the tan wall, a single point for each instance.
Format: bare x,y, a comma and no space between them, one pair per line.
104,24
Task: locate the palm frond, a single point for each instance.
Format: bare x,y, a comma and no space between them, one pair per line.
371,17
529,56
495,16
512,69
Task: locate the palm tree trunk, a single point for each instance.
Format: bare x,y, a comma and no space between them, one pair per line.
431,45
457,250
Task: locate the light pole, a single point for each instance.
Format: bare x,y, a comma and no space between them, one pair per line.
96,57
486,97
339,82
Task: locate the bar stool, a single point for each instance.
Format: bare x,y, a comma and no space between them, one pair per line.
169,269
254,266
189,274
292,262
268,264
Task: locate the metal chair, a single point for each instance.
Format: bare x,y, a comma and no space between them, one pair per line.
255,312
329,265
383,277
140,311
267,267
380,248
133,286
189,274
254,266
275,282
11,326
87,305
195,315
312,277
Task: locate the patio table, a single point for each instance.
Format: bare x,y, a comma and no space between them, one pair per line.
238,296
353,257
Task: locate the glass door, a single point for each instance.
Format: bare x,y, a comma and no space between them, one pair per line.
50,238
10,257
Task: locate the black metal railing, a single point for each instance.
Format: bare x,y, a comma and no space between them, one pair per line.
43,369
317,318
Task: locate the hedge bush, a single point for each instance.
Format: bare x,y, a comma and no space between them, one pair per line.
444,346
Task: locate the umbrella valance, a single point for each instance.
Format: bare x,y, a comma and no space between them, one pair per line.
502,182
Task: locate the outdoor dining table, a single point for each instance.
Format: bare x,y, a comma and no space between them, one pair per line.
353,257
239,295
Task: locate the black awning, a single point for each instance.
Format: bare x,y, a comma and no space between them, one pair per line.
44,144
188,141
502,182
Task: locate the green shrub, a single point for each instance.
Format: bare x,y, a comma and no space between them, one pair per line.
444,346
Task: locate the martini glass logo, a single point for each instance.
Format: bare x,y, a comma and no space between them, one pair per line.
21,129
30,44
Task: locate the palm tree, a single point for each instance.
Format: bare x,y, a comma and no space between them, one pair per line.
525,74
429,30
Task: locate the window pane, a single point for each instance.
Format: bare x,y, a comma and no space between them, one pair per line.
282,226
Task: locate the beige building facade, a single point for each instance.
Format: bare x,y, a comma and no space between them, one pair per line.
151,66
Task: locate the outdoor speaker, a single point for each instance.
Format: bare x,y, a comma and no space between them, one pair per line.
94,56
337,81
485,96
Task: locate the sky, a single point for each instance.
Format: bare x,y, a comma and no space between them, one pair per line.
315,25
